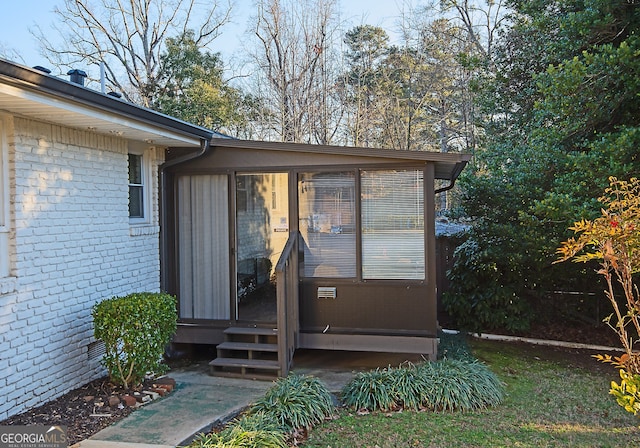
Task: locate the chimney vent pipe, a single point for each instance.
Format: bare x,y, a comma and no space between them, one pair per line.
77,76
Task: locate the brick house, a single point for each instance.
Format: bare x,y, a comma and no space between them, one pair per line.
79,222
101,198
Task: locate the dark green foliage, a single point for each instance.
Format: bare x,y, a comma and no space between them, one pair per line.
456,385
481,299
295,402
453,346
370,390
447,385
135,330
193,86
562,115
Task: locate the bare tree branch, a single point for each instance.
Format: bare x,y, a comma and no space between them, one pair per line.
128,36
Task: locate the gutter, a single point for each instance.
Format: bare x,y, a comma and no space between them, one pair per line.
36,80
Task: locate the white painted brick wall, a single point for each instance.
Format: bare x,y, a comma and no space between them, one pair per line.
72,247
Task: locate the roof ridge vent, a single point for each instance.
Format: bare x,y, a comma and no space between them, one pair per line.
42,69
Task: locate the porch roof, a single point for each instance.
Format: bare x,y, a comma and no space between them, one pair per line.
448,166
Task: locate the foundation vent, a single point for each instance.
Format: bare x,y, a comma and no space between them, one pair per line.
326,292
96,350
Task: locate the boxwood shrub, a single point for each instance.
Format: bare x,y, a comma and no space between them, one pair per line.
135,330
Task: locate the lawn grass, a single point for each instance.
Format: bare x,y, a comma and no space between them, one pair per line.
548,404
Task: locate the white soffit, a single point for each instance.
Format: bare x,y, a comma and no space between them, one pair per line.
50,109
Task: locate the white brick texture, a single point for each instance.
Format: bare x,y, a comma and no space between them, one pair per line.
71,246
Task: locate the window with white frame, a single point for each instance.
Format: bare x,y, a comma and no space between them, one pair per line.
139,187
4,201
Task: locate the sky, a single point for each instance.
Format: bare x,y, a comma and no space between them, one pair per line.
19,16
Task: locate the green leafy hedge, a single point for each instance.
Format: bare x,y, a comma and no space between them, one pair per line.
135,330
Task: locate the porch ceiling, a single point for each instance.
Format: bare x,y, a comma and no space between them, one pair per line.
447,165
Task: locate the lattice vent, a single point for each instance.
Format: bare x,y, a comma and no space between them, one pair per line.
95,350
327,292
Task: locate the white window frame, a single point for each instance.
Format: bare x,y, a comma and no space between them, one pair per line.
147,187
4,200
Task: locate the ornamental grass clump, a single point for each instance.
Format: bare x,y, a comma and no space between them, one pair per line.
445,385
295,402
461,385
409,387
248,431
372,390
135,330
613,240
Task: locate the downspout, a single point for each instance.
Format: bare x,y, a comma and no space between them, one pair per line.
447,188
164,251
454,176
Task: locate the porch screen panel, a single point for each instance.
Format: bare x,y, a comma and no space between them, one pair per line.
327,223
203,210
393,224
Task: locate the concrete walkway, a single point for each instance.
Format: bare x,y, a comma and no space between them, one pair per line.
200,400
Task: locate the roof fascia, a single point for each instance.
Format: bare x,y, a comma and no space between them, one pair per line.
33,80
457,160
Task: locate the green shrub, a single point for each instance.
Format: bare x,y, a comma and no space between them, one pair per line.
237,436
295,402
453,346
627,393
370,390
485,291
135,330
460,385
445,385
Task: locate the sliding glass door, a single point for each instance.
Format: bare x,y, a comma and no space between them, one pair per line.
262,230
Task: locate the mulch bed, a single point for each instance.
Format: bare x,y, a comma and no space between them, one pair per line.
90,408
77,410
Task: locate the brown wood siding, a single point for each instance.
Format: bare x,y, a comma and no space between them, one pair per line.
373,307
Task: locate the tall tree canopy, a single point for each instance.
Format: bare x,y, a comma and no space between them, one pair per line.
563,115
191,87
129,37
